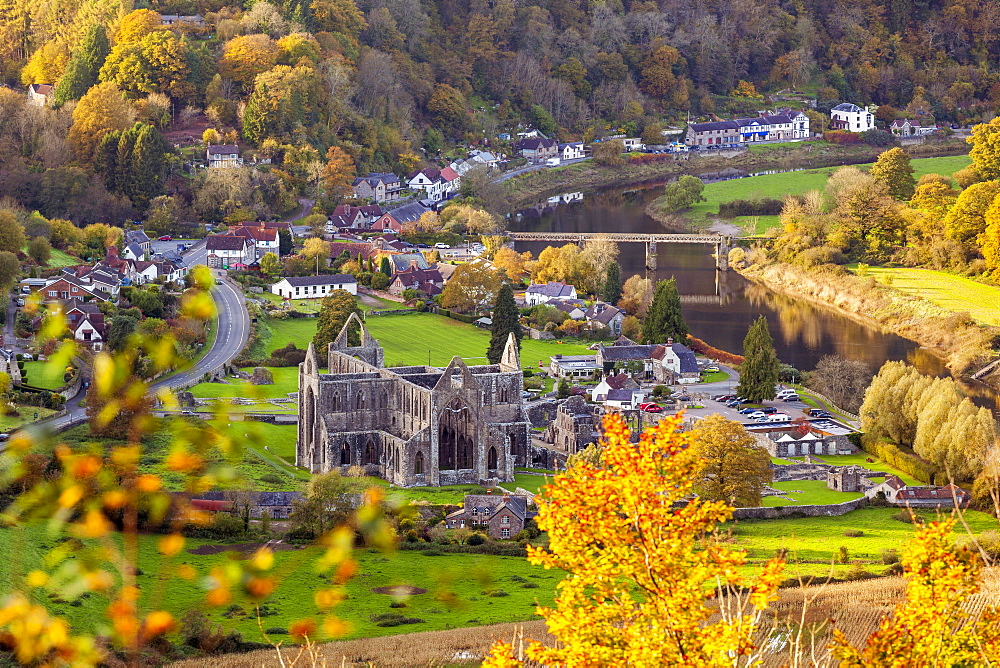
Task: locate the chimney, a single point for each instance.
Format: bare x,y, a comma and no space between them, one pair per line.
413,263
489,491
670,340
506,498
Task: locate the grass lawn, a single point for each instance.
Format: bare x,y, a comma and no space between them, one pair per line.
417,338
714,377
62,259
776,186
286,379
44,375
532,483
860,458
814,541
27,416
955,293
807,492
455,585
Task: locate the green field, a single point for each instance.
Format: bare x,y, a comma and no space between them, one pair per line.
813,541
44,375
777,186
455,585
286,379
806,492
425,338
27,416
955,293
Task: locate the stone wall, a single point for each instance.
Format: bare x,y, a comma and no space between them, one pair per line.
808,511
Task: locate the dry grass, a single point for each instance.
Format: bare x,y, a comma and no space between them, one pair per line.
432,648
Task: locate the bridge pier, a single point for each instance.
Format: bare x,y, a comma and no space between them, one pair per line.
651,255
722,253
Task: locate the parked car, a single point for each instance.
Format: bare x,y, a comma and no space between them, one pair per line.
767,410
166,237
790,397
441,245
422,246
778,417
756,415
712,367
650,407
723,397
815,412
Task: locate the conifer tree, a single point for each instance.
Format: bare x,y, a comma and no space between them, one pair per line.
147,166
665,320
506,320
611,292
385,267
759,371
83,68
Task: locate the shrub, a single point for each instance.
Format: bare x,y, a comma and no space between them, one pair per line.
276,631
845,555
661,391
858,572
387,619
908,517
529,585
890,556
854,533
272,478
495,593
751,207
475,539
397,604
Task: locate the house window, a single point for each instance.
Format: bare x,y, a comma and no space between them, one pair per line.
65,295
505,532
505,519
461,523
53,293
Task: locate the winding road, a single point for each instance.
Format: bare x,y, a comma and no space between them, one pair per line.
232,334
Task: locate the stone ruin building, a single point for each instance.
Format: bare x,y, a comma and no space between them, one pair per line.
573,428
413,425
848,479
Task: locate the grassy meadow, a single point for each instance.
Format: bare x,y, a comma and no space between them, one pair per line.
43,375
286,379
949,291
422,338
777,186
806,492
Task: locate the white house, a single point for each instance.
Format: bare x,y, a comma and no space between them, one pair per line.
223,155
571,151
626,400
573,367
224,250
430,181
311,287
40,95
851,117
680,364
621,381
633,144
540,293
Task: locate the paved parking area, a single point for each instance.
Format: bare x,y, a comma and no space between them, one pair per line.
794,409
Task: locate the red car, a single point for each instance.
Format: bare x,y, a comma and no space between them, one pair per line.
166,237
650,407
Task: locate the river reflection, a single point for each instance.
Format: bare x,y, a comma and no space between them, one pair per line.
720,306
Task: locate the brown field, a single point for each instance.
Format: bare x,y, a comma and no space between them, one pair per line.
800,622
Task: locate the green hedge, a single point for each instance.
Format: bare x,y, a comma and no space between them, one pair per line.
458,316
896,456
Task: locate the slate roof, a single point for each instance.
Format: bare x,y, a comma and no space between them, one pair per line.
551,289
223,149
689,363
847,106
373,178
136,237
603,313
403,261
619,381
715,125
408,212
224,242
534,143
493,502
626,353
429,172
621,395
301,281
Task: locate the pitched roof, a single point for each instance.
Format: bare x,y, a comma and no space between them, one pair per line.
373,178
299,281
847,106
534,143
42,89
429,172
403,261
223,149
603,313
135,249
449,174
551,289
408,212
689,363
715,125
225,242
136,237
625,353
621,395
412,275
619,381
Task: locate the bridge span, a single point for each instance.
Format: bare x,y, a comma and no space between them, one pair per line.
722,243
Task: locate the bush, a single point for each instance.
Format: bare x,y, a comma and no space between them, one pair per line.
898,458
858,572
854,533
842,137
495,593
529,585
890,556
661,391
876,137
272,478
845,555
387,619
908,517
276,631
397,604
475,539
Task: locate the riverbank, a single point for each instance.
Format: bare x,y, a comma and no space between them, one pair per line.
964,344
525,189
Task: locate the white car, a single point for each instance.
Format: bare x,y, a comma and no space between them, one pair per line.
778,417
755,415
441,245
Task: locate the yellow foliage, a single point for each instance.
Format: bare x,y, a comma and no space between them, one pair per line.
634,594
247,56
46,65
136,25
103,109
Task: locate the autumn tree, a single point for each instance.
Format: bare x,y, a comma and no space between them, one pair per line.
334,311
283,100
327,504
40,250
985,151
635,592
566,264
599,252
270,264
658,78
246,56
447,105
10,269
12,238
966,220
102,110
665,318
47,64
84,66
680,195
515,265
157,63
471,288
338,173
506,321
893,169
637,295
736,469
759,371
136,25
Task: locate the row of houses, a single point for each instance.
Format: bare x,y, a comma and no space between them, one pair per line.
245,245
784,125
564,297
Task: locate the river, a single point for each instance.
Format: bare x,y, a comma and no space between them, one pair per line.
720,306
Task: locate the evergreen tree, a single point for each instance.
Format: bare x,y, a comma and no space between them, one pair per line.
612,289
106,159
336,308
254,123
83,68
759,371
385,267
506,319
284,242
665,320
147,166
123,162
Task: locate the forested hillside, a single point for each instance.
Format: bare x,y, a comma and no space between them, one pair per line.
391,83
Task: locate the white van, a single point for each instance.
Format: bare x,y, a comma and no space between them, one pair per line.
552,162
